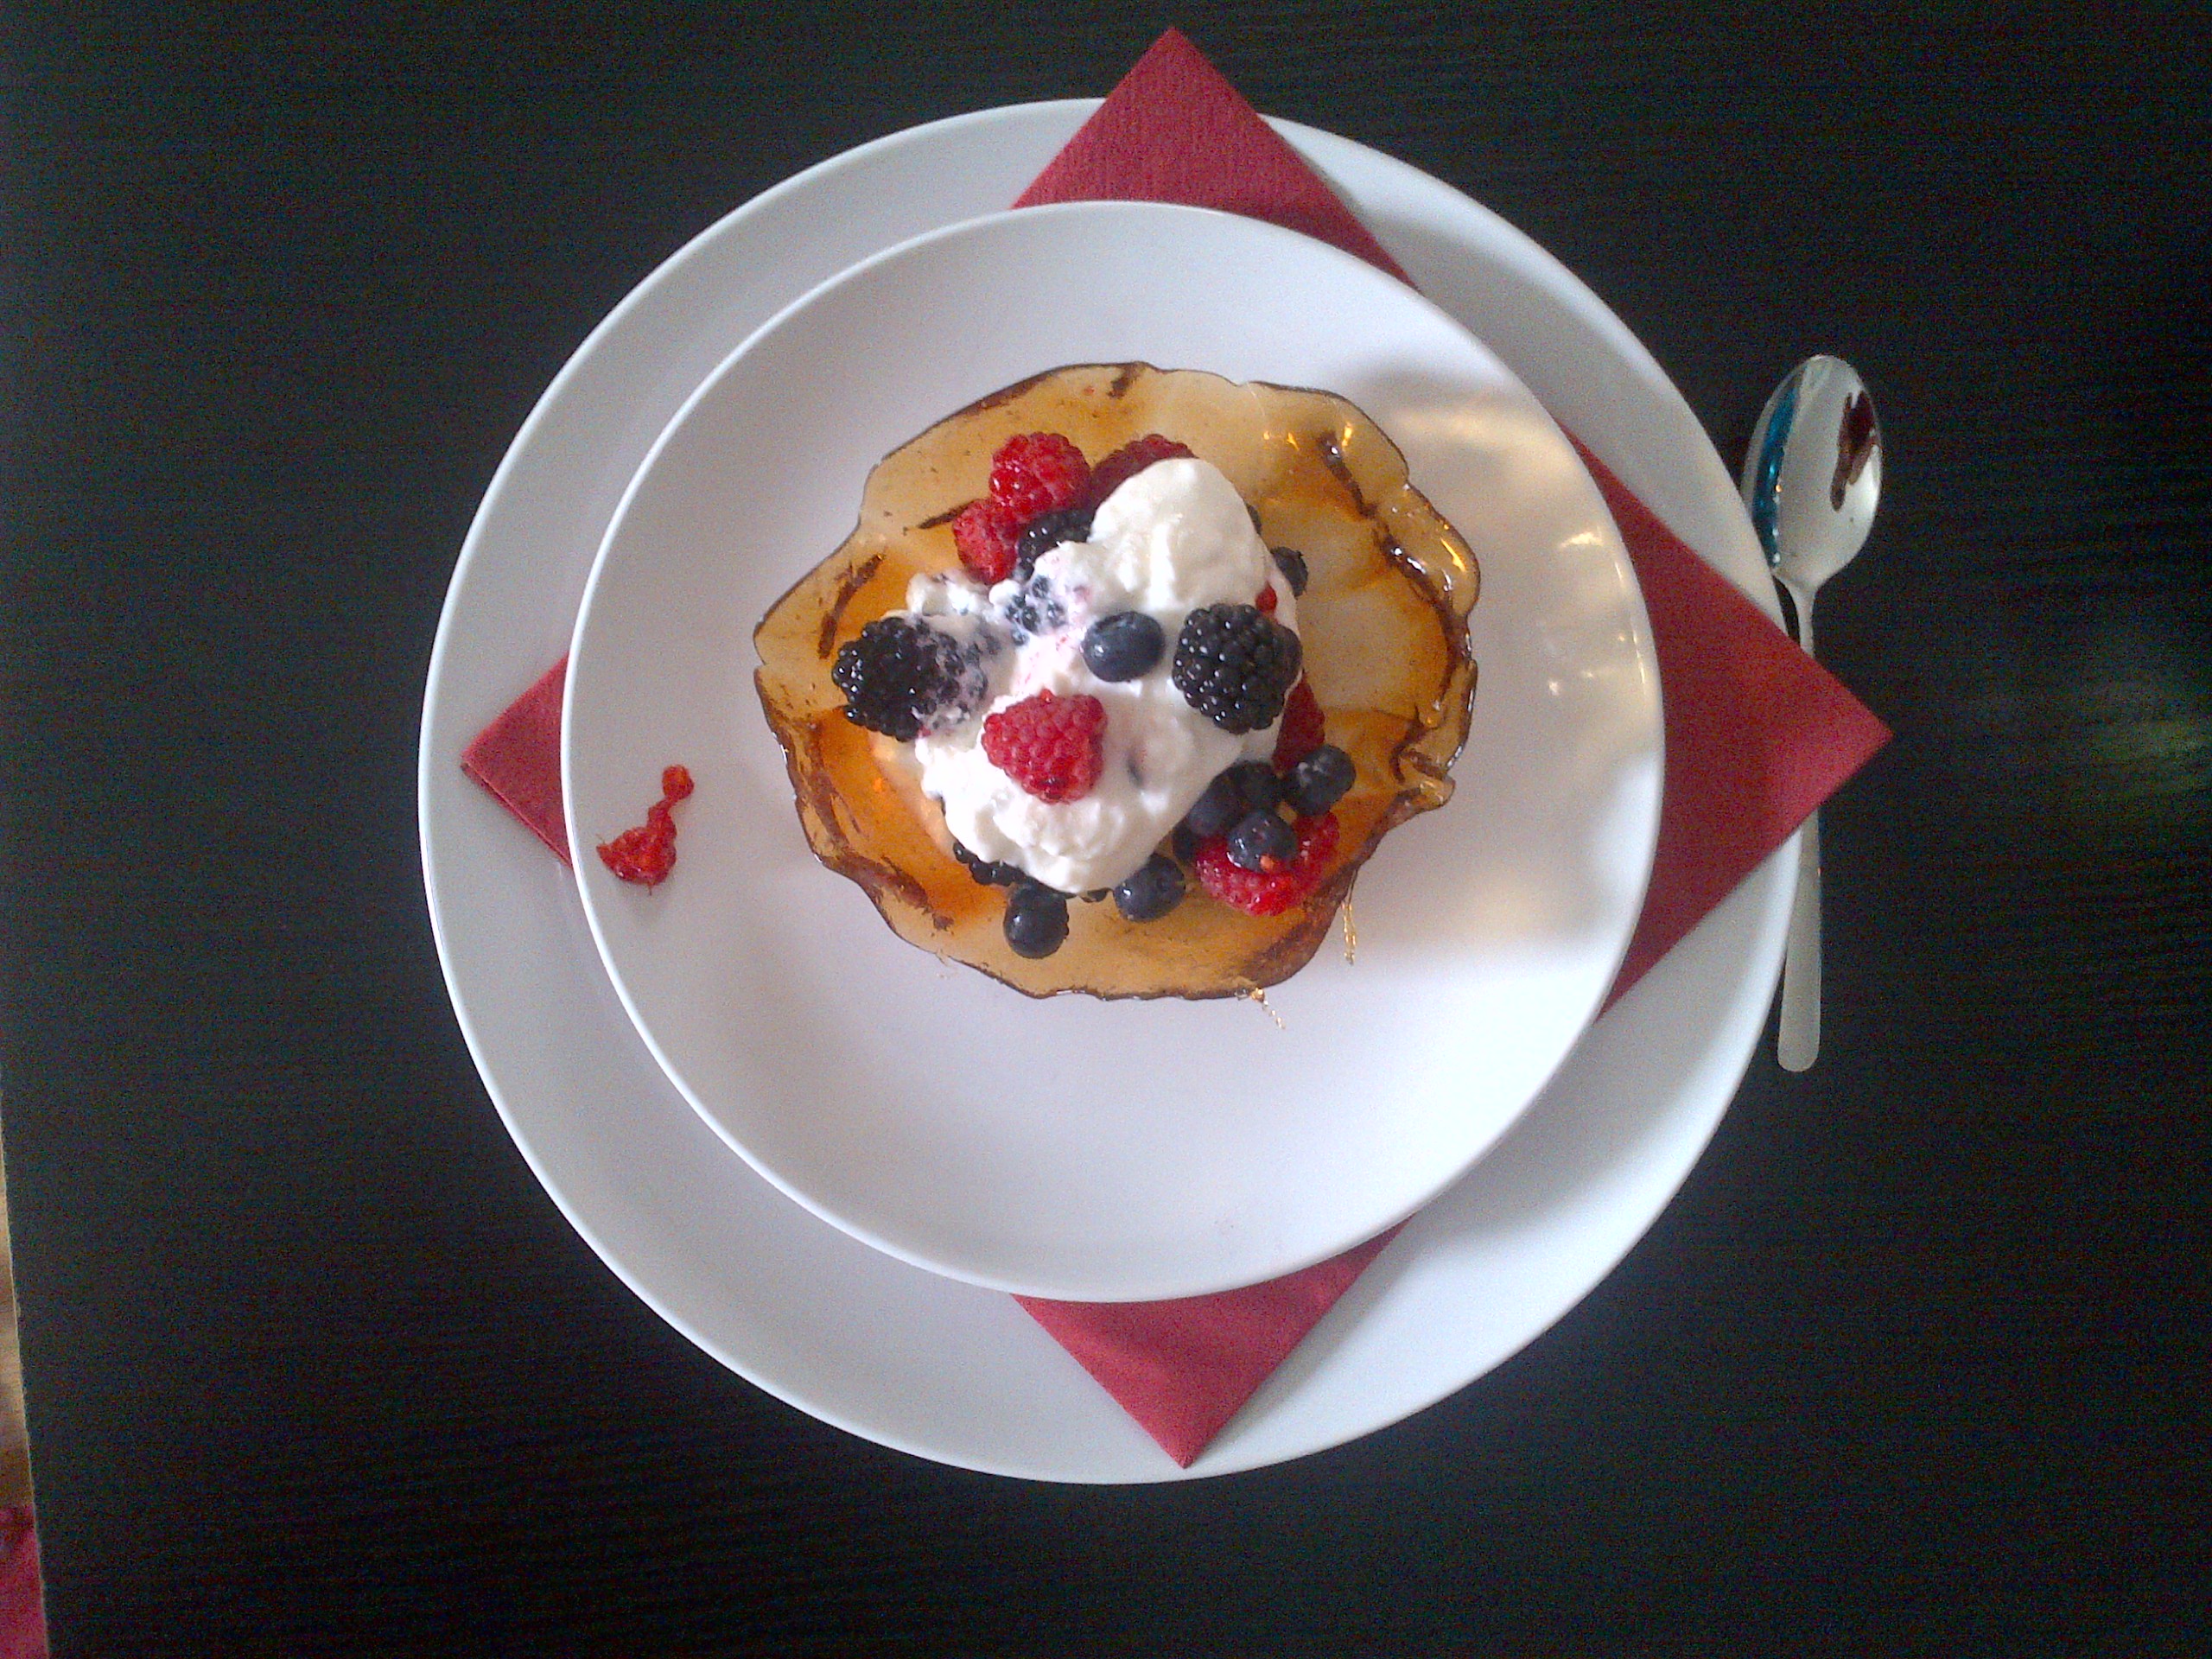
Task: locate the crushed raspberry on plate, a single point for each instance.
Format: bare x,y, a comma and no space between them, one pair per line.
646,853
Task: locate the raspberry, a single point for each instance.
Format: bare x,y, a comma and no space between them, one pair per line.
1261,893
1038,472
1266,600
647,853
1052,746
1132,458
902,676
1234,664
1304,727
986,534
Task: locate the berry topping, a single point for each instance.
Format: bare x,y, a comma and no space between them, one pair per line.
1124,645
1318,782
1037,472
1035,609
1248,787
1256,784
1052,746
1234,664
985,872
1042,534
1262,841
647,853
1292,563
1220,806
1132,458
1266,600
1036,920
1152,891
1262,892
986,534
1303,726
902,676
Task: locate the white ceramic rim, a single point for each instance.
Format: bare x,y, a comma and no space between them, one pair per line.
1633,816
1724,972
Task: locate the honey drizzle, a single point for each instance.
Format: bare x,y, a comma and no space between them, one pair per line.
1260,996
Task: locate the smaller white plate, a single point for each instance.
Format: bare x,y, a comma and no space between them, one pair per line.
1075,1148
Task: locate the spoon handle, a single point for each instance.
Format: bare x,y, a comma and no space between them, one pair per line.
1798,1043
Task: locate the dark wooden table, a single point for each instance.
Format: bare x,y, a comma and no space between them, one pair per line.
1917,1360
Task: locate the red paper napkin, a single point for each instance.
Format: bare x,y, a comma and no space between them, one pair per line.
1758,734
23,1597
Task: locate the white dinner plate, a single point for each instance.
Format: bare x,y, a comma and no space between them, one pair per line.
1075,1148
911,1359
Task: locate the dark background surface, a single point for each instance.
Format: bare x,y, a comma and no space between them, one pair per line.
1917,1362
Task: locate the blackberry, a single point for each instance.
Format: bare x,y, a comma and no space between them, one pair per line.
1036,920
1152,891
1318,782
1044,533
1035,609
1292,563
1261,837
902,676
1124,645
1234,664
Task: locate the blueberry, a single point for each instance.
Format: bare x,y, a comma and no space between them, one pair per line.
1124,646
1184,841
1257,783
1152,891
1036,920
1318,782
1260,837
1293,565
1221,805
984,871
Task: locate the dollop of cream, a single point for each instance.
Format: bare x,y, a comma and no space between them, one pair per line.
1173,538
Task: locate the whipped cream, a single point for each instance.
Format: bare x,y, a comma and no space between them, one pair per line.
1173,538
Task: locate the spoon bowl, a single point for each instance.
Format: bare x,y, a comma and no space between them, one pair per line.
1813,477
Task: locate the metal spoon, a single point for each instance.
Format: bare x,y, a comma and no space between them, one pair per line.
1811,481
